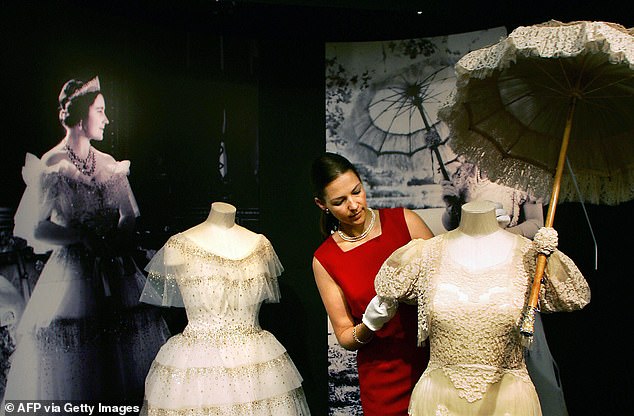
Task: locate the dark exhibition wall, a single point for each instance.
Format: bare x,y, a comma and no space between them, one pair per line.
182,77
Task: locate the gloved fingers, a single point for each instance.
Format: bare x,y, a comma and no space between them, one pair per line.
390,302
501,215
546,240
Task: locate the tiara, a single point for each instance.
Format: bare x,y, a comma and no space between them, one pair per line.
90,86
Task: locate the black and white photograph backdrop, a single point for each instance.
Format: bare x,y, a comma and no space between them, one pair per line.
179,112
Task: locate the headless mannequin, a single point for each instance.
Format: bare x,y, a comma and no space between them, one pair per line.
220,235
479,242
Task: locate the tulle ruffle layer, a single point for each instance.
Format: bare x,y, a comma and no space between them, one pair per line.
292,403
230,283
228,370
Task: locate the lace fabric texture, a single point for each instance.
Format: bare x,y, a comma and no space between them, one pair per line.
223,363
512,100
471,317
551,39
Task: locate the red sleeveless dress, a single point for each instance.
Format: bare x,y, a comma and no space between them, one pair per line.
391,364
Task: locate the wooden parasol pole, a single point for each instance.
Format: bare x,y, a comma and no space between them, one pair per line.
528,320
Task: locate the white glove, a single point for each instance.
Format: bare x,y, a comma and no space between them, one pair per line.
378,312
503,218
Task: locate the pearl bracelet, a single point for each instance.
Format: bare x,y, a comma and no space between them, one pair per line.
354,336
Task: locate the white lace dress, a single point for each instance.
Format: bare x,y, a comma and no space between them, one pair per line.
83,335
223,363
471,318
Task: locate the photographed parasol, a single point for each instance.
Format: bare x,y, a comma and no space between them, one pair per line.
545,96
399,115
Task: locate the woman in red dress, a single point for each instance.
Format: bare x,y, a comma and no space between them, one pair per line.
359,239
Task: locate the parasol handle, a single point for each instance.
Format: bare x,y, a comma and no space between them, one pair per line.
527,326
441,164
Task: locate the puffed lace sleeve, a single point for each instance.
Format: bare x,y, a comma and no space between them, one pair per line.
564,287
398,275
161,287
404,276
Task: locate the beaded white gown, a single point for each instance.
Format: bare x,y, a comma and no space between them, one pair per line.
471,318
223,363
83,335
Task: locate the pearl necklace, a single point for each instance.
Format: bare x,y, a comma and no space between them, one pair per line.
82,165
365,232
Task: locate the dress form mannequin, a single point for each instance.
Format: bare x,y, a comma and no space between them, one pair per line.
219,234
470,286
223,362
479,241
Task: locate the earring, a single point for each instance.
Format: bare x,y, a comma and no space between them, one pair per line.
327,211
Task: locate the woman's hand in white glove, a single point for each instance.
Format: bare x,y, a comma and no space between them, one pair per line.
378,312
503,217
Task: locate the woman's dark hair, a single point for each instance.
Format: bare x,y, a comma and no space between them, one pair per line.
325,169
73,109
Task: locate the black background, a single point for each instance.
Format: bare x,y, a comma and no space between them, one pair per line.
159,64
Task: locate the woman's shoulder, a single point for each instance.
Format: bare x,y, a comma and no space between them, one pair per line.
108,166
392,211
55,162
54,156
391,215
325,248
104,157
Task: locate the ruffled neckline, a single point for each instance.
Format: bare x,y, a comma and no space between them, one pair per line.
194,248
34,166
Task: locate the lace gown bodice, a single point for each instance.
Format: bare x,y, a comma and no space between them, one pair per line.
471,316
473,330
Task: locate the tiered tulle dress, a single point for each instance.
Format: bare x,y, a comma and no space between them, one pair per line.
84,335
472,320
223,363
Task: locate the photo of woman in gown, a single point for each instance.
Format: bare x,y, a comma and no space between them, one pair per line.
83,335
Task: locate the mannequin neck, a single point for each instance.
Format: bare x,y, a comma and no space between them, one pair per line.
479,241
478,219
220,234
222,215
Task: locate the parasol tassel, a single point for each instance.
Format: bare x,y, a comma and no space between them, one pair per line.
527,327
